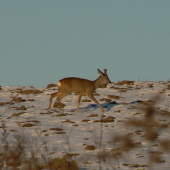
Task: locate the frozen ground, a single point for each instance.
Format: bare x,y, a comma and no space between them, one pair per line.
67,131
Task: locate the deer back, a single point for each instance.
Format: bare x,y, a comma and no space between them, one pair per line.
76,85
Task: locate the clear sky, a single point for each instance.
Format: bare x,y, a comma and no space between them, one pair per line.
43,41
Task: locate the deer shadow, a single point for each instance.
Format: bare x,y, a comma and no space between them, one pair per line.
107,106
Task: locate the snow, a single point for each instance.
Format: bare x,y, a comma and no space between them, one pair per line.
81,129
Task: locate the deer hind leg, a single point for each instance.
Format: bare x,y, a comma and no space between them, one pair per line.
92,98
60,96
51,98
78,102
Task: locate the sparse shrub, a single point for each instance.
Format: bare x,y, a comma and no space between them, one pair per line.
125,82
21,154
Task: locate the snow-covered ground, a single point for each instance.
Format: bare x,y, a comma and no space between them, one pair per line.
67,131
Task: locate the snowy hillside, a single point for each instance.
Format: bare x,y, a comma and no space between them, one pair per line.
134,145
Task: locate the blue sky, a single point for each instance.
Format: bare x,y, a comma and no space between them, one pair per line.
44,41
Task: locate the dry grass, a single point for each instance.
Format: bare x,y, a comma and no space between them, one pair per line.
62,164
21,154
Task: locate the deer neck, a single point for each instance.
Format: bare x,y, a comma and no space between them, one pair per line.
98,82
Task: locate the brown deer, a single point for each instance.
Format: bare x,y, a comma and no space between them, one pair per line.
80,87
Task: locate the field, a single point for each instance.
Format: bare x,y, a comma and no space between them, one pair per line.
132,133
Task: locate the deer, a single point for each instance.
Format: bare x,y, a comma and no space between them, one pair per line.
80,87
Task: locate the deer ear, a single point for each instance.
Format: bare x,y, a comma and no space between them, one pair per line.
105,71
101,73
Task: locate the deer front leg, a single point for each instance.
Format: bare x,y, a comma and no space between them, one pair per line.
78,102
92,98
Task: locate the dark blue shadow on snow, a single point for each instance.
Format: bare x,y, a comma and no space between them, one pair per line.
107,106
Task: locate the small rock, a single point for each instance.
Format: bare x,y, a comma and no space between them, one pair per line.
86,100
90,147
51,85
59,105
2,103
27,91
31,100
22,108
18,99
37,91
